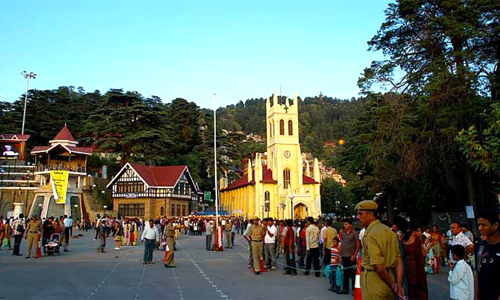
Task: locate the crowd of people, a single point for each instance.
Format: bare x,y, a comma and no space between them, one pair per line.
395,259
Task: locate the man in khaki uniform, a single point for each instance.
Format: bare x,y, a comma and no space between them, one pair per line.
255,236
34,231
170,235
382,276
328,235
228,227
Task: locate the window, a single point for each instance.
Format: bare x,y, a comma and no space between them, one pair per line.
131,210
162,211
286,178
172,210
267,197
271,129
290,127
282,127
184,210
178,210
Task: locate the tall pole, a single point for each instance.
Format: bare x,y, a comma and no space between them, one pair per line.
215,164
28,76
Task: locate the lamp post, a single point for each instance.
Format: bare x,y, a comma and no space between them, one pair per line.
262,206
28,76
291,206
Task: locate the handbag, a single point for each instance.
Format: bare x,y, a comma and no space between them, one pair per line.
5,243
327,272
340,276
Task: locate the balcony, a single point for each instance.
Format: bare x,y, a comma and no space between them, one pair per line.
40,169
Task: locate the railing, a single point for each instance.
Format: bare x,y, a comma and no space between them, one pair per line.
46,168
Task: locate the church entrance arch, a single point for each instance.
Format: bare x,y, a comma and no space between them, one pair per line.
300,211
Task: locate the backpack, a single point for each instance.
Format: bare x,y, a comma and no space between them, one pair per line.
20,228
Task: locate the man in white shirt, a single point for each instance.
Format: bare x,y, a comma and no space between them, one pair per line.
150,235
459,238
270,244
68,223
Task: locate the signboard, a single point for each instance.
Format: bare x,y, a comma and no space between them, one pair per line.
131,195
208,196
59,181
470,212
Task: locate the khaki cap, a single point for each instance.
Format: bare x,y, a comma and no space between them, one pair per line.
366,205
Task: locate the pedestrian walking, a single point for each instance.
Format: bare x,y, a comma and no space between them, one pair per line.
68,224
208,238
102,236
460,276
289,242
18,230
228,228
381,258
312,246
414,258
488,256
118,235
246,236
169,234
150,236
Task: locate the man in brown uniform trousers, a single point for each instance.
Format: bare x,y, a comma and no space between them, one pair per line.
170,235
34,231
382,276
255,236
228,227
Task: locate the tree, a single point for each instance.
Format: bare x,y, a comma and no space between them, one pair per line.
336,199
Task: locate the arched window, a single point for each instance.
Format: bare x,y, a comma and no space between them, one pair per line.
282,127
290,127
162,211
267,197
286,178
271,129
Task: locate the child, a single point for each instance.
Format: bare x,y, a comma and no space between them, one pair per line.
334,262
460,276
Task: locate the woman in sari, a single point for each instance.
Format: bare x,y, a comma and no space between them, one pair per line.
414,257
437,240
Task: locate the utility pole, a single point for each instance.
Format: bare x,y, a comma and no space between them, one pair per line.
216,189
28,76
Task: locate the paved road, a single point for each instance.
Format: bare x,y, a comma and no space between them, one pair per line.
84,274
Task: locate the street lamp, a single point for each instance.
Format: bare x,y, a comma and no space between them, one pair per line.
291,206
28,76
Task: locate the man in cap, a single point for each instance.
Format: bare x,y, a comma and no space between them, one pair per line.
382,276
255,235
228,227
169,233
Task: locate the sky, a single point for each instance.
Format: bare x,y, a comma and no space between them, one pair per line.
189,49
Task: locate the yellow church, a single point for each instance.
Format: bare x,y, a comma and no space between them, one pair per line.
277,183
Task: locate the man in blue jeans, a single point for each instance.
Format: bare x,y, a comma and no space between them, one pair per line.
150,235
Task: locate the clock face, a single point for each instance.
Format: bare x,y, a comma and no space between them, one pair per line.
287,154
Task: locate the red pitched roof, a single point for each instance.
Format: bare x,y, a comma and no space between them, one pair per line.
308,180
243,181
10,136
159,176
267,176
64,135
84,150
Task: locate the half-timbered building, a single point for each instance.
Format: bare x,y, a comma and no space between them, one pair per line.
152,192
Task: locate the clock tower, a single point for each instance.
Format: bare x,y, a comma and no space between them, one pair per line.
283,149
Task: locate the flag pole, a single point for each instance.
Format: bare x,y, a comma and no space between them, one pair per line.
215,165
